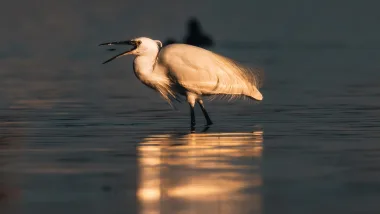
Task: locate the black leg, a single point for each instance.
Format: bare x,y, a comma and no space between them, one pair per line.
191,98
205,128
208,120
192,116
192,129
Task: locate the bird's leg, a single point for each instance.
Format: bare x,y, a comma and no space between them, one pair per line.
192,115
191,100
192,125
208,120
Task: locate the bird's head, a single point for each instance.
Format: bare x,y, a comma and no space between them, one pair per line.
141,46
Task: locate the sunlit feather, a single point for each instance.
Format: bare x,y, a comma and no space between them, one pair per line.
184,70
208,74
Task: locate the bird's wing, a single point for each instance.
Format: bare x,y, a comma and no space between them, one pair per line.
203,71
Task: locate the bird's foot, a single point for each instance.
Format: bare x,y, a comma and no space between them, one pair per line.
206,128
192,129
209,122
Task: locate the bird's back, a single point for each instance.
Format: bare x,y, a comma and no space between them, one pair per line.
206,73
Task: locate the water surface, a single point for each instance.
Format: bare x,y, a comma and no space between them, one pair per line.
84,141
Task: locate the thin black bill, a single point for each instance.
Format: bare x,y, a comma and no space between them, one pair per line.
128,42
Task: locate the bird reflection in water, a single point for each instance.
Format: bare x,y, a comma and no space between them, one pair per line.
200,173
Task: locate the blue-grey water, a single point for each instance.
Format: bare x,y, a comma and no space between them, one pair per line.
100,142
79,137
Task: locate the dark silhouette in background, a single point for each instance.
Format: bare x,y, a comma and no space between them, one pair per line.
195,35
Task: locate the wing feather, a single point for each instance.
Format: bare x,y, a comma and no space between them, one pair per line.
207,73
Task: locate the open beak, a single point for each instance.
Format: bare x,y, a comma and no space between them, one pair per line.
128,42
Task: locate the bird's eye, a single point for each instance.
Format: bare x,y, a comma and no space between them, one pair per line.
138,42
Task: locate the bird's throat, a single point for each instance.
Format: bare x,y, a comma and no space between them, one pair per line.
143,67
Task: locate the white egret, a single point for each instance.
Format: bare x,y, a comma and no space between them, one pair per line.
184,70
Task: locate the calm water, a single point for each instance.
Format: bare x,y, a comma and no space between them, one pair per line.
84,141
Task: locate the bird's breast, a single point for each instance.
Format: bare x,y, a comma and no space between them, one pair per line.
150,73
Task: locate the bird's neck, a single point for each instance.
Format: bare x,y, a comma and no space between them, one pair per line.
143,67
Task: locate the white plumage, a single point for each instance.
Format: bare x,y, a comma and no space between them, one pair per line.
184,70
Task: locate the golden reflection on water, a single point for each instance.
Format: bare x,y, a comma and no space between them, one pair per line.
200,173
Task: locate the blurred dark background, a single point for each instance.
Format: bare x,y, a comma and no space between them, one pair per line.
61,32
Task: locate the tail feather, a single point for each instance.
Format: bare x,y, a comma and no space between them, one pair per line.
237,79
256,95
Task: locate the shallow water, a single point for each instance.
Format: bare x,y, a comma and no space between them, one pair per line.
85,141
